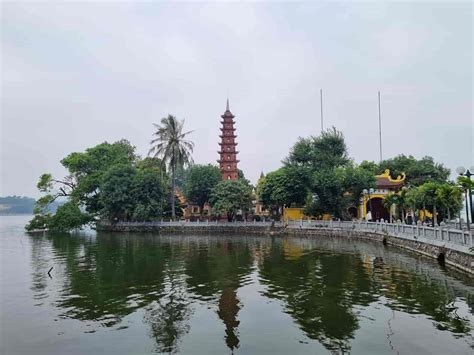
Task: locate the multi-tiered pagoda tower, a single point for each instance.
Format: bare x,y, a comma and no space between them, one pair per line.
228,155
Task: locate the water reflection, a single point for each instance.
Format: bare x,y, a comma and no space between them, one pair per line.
322,285
169,315
217,270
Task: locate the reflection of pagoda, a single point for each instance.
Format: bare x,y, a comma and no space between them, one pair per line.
228,309
228,155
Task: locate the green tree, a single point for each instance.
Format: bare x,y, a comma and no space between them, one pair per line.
417,171
285,186
200,181
321,163
85,171
370,167
116,197
40,221
414,198
389,201
68,217
150,163
328,189
356,179
429,191
465,183
149,193
403,202
175,150
231,196
81,185
323,152
450,199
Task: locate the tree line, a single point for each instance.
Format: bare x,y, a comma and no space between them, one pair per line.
319,176
111,182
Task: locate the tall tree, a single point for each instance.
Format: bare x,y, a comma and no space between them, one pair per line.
450,198
175,150
429,191
389,201
328,189
149,191
317,161
231,196
356,179
85,172
418,171
81,185
116,198
285,186
326,151
200,181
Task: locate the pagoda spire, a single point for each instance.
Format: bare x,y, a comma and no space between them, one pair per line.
227,153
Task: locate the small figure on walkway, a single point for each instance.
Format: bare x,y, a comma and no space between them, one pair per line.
368,216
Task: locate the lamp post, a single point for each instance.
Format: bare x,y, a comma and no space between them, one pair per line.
467,173
369,192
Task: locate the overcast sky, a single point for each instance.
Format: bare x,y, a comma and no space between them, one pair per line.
74,75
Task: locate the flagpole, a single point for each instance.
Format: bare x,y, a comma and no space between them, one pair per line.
321,97
380,131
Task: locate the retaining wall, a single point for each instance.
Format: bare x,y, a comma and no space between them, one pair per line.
444,252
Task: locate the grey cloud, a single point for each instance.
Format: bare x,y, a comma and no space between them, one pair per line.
76,74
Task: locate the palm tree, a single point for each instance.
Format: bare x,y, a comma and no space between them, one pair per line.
414,199
389,201
450,198
171,146
402,200
429,191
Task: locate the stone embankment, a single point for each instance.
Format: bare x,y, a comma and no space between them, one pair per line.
448,247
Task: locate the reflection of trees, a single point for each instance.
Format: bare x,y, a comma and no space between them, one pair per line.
218,271
109,277
169,316
41,262
320,290
416,293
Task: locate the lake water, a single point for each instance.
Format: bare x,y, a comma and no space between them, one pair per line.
139,294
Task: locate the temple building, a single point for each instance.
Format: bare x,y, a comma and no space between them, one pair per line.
228,155
384,185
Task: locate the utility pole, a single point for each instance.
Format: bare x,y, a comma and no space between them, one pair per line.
321,97
380,131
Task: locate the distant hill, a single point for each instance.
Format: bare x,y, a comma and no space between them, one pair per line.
20,205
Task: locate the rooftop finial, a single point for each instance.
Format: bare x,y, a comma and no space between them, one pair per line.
227,106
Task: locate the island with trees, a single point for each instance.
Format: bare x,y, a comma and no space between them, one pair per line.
111,182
